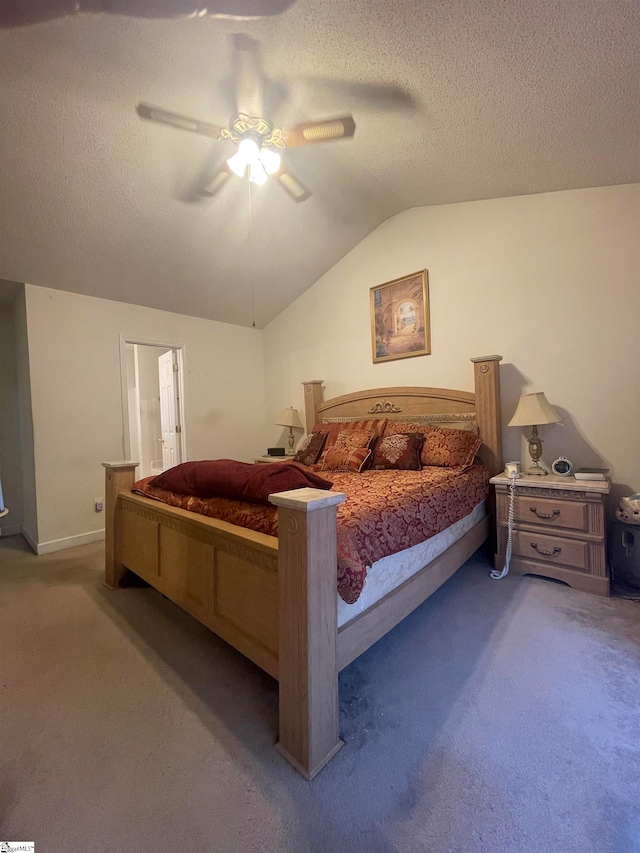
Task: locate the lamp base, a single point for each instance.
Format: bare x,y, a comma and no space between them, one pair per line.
535,469
535,452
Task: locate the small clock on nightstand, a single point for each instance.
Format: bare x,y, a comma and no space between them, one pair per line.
562,467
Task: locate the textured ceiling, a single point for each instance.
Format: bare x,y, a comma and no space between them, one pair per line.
484,99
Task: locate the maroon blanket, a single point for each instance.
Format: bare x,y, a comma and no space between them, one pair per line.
238,481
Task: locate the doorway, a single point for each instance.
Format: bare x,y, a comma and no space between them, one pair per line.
153,405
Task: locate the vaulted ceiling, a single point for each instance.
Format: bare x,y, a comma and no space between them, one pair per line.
453,101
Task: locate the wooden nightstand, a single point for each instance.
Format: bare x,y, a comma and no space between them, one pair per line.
558,531
264,460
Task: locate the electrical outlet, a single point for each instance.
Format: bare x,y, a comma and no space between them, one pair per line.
98,504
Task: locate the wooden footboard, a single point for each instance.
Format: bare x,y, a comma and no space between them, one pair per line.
225,576
274,600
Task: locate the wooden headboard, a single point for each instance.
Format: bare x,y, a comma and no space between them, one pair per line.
441,405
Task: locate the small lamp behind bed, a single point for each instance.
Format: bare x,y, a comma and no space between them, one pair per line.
291,419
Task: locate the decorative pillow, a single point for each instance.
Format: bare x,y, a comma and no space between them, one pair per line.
241,481
311,447
449,448
343,460
332,431
395,427
400,452
350,452
335,427
376,424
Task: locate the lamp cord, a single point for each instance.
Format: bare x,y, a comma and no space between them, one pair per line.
495,574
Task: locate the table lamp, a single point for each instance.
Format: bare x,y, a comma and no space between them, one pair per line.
290,419
532,410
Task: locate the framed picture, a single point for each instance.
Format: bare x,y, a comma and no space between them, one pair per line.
400,318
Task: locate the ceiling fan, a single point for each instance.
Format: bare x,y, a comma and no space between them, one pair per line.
259,143
25,12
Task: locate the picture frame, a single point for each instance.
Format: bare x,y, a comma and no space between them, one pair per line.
400,318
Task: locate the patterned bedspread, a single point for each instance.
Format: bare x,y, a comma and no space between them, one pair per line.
384,512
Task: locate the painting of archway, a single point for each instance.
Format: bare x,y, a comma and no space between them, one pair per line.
400,318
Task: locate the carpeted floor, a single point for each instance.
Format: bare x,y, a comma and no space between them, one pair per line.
500,717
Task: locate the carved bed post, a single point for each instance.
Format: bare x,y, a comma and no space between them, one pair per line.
487,388
312,399
119,477
308,627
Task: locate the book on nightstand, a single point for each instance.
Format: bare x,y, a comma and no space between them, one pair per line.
591,473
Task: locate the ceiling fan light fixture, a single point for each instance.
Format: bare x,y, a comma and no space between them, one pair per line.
257,173
271,160
249,149
259,143
238,164
261,162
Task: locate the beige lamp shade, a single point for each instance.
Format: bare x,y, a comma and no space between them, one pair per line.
290,418
534,409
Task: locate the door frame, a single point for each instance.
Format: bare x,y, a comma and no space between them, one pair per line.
180,351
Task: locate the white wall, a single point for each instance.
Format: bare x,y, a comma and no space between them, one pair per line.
10,473
133,450
551,282
77,405
25,421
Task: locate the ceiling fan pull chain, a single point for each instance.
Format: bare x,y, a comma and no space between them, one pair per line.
251,258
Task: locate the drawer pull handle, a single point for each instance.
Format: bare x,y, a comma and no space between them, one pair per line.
544,514
544,553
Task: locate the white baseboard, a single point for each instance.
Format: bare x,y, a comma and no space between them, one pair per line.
30,542
67,542
9,530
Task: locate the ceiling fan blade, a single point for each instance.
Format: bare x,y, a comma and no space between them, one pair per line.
238,9
182,122
24,12
294,187
327,130
247,76
361,96
215,183
33,11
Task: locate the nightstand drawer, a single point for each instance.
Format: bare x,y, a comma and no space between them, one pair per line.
551,549
551,513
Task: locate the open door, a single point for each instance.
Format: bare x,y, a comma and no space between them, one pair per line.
169,409
152,404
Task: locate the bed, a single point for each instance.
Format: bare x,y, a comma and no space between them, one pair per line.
275,599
